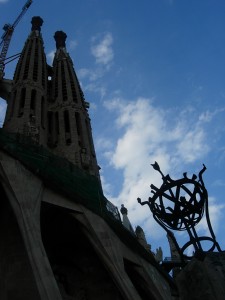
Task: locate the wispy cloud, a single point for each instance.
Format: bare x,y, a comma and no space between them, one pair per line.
50,56
72,45
90,74
102,49
3,1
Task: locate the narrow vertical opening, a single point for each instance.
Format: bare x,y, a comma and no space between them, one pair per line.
22,102
50,119
43,112
67,127
78,123
33,102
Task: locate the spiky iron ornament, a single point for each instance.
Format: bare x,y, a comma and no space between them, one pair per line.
180,205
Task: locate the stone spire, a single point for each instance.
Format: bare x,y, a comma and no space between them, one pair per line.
69,128
27,105
126,221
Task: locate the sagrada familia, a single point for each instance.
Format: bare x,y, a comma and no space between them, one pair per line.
60,237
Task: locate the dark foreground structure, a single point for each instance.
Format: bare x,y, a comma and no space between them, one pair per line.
60,237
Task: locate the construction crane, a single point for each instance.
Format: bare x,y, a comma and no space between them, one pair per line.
7,35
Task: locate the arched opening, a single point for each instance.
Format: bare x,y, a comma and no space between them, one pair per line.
79,272
16,276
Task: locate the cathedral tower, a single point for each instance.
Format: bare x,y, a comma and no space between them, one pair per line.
69,128
27,104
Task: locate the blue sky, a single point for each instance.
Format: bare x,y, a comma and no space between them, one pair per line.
154,74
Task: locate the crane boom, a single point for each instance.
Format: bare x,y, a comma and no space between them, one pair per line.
7,35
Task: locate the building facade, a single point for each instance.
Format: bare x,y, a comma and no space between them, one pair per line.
60,237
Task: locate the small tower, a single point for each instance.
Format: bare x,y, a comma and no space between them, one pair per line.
141,238
27,105
69,129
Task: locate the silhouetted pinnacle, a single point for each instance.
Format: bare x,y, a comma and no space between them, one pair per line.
36,23
60,38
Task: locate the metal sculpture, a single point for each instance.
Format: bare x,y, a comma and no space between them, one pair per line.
180,205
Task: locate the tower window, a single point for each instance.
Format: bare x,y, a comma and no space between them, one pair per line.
43,112
50,122
78,123
22,102
33,102
67,127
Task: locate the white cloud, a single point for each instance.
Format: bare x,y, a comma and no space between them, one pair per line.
193,146
102,50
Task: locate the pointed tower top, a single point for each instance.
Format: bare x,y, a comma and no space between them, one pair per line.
60,38
36,23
